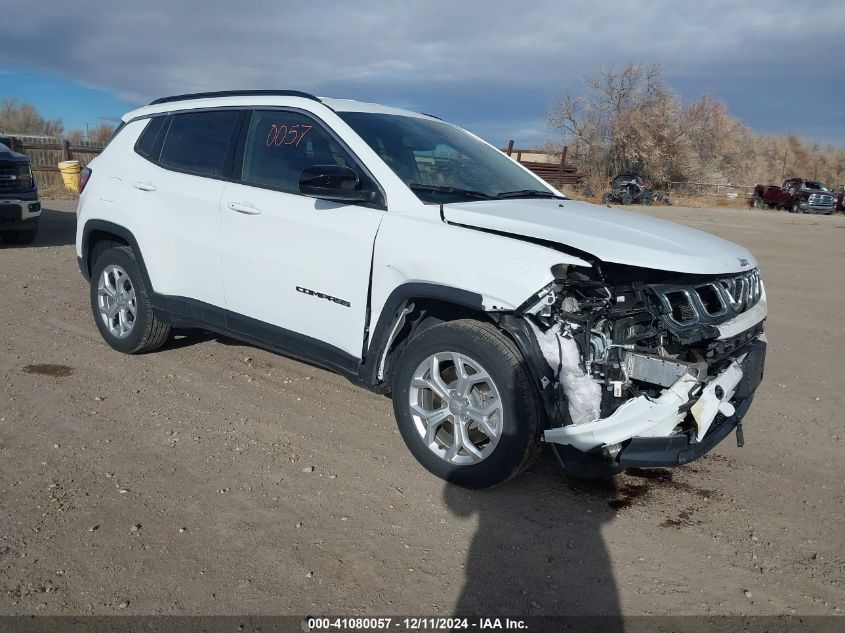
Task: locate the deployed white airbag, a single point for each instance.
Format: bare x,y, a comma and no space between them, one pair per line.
646,417
640,416
583,394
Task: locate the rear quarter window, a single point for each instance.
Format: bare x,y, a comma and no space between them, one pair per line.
148,137
200,142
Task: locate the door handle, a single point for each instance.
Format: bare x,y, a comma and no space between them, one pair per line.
244,207
144,186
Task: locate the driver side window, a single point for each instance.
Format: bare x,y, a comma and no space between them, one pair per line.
280,144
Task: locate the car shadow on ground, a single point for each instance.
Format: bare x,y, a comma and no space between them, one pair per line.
55,228
538,549
184,337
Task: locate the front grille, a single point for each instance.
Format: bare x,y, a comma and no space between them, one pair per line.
10,213
711,302
711,299
821,201
10,181
680,306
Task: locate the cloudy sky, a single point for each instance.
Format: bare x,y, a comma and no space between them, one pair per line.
493,67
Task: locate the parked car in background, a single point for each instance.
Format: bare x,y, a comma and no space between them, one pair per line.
840,198
628,187
19,205
797,195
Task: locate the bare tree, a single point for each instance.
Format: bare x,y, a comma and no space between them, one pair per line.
625,121
629,119
102,133
25,119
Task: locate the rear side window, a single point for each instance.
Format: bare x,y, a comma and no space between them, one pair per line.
199,142
147,140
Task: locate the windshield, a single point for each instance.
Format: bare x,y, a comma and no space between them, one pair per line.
440,162
814,186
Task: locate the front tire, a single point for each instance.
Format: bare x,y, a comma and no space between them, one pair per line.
121,304
465,405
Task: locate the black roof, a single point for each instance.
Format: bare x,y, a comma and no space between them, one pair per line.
235,93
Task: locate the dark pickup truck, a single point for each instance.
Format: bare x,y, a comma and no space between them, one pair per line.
797,195
19,205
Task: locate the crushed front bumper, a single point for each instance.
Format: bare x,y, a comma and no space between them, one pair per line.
644,452
641,427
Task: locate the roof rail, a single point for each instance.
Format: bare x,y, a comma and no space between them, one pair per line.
236,93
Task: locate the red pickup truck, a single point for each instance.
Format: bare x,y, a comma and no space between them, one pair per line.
840,198
797,195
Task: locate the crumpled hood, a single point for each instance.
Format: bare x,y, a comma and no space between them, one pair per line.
611,235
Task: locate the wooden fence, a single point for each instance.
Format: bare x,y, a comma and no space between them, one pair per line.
554,173
45,153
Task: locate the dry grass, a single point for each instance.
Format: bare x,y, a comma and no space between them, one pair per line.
53,192
708,202
678,200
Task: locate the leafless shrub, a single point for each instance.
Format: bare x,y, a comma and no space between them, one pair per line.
630,119
25,119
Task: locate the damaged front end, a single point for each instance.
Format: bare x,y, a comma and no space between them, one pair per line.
645,368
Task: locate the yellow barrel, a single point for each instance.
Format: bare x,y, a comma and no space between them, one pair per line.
70,173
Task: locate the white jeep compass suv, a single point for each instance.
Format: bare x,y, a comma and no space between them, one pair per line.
414,258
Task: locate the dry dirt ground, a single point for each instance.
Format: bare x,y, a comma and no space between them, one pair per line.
216,478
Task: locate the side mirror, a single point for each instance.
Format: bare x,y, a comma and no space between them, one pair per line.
332,182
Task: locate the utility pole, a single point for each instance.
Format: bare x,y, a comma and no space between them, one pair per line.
783,172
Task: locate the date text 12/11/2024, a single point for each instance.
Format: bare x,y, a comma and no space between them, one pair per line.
414,624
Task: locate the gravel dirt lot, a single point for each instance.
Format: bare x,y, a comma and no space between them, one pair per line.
216,478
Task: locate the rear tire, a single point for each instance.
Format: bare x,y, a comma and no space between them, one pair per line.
438,428
121,304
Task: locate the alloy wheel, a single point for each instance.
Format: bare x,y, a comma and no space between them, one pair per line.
116,301
456,408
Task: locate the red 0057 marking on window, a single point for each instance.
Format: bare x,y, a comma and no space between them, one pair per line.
292,135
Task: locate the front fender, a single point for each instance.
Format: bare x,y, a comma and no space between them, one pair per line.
499,271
